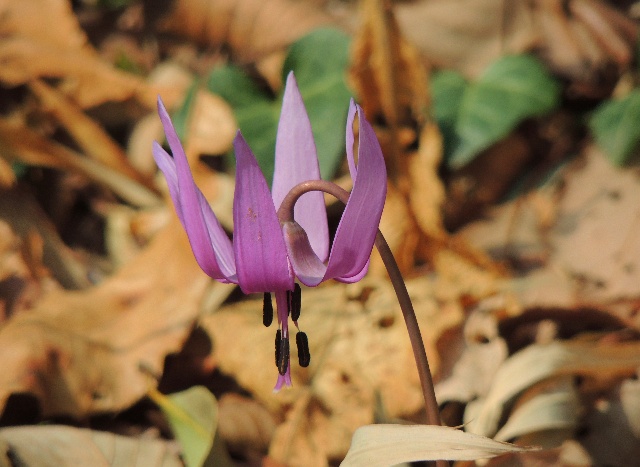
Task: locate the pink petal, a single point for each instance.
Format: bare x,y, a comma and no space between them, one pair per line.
307,266
296,162
359,224
349,140
209,242
260,252
168,167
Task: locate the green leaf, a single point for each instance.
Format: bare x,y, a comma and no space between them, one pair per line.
512,89
447,90
319,61
616,127
193,416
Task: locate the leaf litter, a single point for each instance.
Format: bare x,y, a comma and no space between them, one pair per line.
528,311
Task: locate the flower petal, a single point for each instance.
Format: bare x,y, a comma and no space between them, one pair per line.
349,140
168,167
296,162
209,242
359,224
260,252
307,266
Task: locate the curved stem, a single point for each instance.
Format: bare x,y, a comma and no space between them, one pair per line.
415,336
285,214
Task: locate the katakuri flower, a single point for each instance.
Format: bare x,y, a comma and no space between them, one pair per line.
266,255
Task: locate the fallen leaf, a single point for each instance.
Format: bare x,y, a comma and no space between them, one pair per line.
468,35
248,27
385,445
538,362
92,139
554,409
570,454
245,425
27,219
599,207
81,352
18,142
85,78
193,416
62,446
473,372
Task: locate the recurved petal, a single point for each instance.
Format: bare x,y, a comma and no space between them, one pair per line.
306,265
359,224
209,242
296,161
350,140
260,252
357,277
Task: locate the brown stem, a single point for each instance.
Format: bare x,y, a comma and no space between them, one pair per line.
285,214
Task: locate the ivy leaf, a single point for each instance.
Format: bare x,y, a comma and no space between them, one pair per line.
319,61
512,89
616,127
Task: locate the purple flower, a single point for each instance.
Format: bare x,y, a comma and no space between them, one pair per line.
266,256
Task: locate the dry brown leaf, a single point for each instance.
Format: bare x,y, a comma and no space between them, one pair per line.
245,425
392,84
212,126
553,410
538,362
81,352
49,253
427,191
42,39
392,81
19,142
599,207
468,35
359,348
92,139
251,29
64,446
473,373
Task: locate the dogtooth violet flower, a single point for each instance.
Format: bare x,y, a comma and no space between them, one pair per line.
265,255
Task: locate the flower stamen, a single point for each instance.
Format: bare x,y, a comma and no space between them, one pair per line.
267,310
304,356
278,341
283,353
296,303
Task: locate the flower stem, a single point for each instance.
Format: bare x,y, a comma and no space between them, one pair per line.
285,214
419,353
